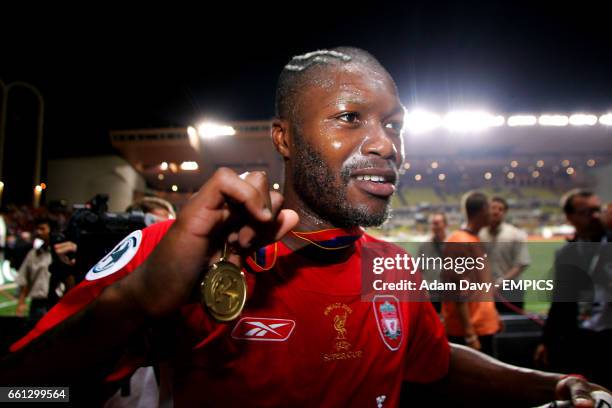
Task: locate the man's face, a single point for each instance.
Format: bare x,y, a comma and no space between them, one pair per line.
348,146
497,212
438,226
43,232
586,217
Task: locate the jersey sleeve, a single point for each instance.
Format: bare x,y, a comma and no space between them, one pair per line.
122,260
428,354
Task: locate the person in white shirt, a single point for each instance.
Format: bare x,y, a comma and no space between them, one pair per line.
33,277
507,254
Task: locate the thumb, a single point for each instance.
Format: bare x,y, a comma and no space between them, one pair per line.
285,222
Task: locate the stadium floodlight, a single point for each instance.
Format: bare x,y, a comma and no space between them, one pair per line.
420,121
606,119
553,120
522,120
192,132
469,121
582,119
189,166
498,121
210,130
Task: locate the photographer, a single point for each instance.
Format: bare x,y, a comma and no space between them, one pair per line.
33,277
157,207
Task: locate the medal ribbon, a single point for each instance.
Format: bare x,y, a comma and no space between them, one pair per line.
329,239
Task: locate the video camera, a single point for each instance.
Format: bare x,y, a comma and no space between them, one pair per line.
96,232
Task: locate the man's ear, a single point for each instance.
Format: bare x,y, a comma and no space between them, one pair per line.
280,136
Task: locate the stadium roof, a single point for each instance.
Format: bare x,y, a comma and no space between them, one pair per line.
186,157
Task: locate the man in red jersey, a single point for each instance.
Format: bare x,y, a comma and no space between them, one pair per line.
304,337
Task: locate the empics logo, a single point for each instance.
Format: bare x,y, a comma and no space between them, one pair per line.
263,329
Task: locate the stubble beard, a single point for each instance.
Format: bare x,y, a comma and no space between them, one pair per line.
317,186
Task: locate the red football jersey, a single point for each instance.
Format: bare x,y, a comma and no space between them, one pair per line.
305,338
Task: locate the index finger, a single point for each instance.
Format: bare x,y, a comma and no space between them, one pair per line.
259,180
224,186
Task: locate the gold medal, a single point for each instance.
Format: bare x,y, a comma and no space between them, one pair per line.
224,289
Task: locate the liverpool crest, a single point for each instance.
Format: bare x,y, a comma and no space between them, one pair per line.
389,320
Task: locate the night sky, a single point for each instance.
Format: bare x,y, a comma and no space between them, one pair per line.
103,69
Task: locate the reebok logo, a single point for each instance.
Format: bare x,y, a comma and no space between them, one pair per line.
263,329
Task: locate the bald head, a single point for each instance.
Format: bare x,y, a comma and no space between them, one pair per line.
316,69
